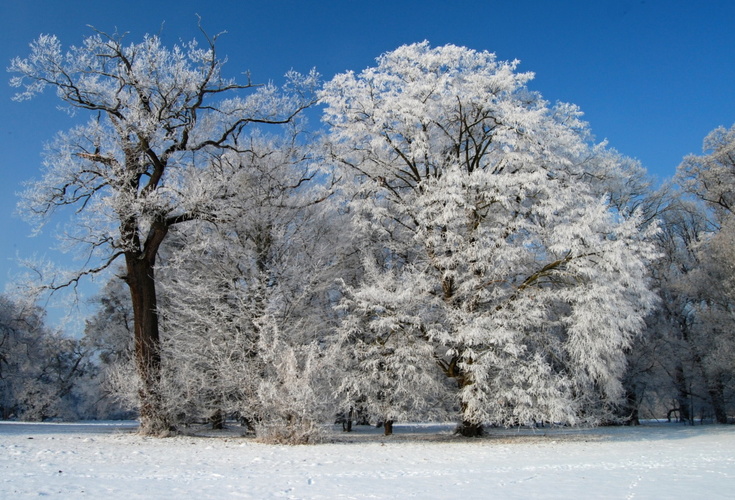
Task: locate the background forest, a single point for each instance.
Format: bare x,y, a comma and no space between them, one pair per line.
437,243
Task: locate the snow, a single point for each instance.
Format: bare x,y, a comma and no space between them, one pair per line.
109,460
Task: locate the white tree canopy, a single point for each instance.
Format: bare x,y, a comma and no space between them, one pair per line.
476,200
711,176
708,316
138,161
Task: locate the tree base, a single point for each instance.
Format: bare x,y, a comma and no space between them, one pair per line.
217,420
468,429
388,427
155,426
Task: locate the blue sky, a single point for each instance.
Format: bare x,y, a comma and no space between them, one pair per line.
652,76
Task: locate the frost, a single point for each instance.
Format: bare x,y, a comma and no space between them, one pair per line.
489,246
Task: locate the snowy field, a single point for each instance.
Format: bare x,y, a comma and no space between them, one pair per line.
109,461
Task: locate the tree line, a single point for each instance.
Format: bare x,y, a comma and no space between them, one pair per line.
447,245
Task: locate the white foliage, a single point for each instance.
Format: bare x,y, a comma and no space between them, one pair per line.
245,297
480,202
706,283
291,393
140,165
41,371
386,360
157,113
711,176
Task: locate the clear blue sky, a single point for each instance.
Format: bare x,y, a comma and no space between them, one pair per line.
652,76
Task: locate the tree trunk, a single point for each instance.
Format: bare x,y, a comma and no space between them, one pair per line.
218,420
682,397
388,427
142,285
347,423
469,429
716,392
630,409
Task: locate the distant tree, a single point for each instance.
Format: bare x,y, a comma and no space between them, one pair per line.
108,334
709,285
661,371
711,176
476,203
40,370
630,190
138,167
711,318
109,330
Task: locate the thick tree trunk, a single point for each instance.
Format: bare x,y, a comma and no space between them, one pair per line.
682,396
142,285
469,429
388,427
716,392
218,420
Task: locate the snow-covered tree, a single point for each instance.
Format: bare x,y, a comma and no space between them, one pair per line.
477,205
108,333
40,370
386,364
708,317
292,393
711,176
137,168
630,190
711,318
659,374
265,267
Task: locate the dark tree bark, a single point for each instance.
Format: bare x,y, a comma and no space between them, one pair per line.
347,424
632,416
217,420
469,429
682,395
388,428
716,392
142,284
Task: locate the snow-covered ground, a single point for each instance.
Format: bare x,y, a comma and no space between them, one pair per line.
110,461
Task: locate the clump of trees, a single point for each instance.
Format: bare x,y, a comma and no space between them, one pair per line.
682,366
137,168
43,373
448,245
